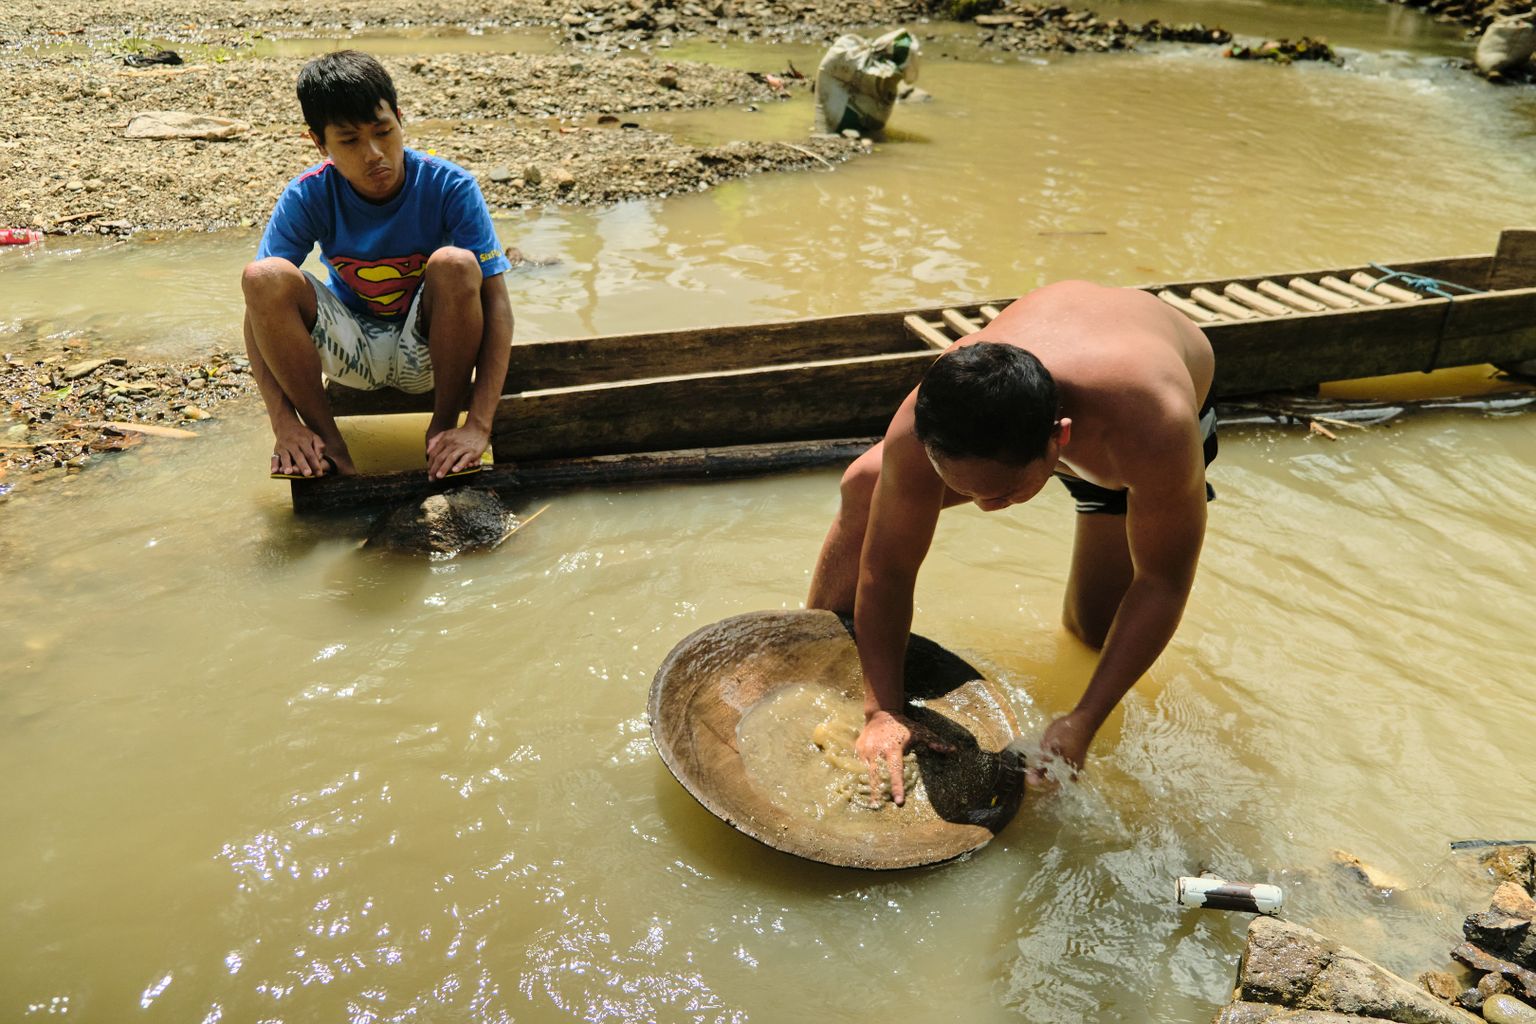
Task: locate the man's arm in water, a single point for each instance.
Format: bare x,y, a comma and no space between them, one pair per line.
1165,528
902,517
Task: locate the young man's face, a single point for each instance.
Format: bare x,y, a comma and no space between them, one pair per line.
993,485
370,155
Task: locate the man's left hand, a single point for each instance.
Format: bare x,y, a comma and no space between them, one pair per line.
452,451
1066,739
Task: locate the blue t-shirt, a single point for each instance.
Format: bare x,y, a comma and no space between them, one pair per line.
377,252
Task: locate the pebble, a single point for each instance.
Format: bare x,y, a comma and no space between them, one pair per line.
500,173
83,368
1506,1009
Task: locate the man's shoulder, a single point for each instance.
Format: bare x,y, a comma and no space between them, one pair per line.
311,178
437,171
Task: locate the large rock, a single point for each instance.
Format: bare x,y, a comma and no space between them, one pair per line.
178,124
1506,44
445,524
1505,929
1287,965
1513,863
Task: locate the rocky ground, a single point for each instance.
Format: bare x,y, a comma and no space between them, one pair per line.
65,165
65,407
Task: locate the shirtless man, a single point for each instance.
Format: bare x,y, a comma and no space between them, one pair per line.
1106,388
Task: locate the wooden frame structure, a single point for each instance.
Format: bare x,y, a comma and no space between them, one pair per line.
755,397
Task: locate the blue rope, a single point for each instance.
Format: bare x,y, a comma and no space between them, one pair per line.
1427,285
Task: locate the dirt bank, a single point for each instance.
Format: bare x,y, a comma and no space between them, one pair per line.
65,165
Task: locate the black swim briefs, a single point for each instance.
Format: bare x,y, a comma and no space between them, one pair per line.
1095,500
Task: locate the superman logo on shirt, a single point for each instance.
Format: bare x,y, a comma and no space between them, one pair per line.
387,285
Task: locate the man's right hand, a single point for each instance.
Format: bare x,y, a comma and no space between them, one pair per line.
883,740
298,450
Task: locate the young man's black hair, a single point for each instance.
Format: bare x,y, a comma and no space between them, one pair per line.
987,401
344,87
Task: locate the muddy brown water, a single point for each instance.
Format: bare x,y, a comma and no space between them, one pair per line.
253,772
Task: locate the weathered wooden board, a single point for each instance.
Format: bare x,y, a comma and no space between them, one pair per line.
805,401
557,363
570,362
333,494
1514,262
1309,348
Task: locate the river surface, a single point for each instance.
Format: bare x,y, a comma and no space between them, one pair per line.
255,773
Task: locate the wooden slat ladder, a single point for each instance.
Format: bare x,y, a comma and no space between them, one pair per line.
928,333
1241,293
1360,295
1291,298
962,324
1361,279
1326,296
1221,304
1198,314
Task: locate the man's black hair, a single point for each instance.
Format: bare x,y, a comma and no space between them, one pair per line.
344,87
987,401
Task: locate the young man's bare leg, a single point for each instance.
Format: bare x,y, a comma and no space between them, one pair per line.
1100,575
280,311
452,309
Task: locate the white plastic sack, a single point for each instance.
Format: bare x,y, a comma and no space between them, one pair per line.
1506,44
857,81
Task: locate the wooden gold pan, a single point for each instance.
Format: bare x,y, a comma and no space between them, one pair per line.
718,675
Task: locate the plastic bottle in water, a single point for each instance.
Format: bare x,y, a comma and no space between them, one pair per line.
19,236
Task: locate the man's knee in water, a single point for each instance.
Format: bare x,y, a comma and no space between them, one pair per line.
1091,633
858,485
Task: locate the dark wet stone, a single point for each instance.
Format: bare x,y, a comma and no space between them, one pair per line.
1506,929
447,524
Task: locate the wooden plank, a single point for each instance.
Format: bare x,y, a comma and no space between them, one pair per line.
990,312
961,324
551,363
1290,298
1495,327
807,401
1309,348
1360,295
350,493
1379,286
1199,314
1221,304
1267,306
1327,296
927,333
1514,261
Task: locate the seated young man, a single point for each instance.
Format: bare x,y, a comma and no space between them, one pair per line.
415,298
1107,389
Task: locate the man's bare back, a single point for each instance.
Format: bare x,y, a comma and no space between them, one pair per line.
1111,382
1121,359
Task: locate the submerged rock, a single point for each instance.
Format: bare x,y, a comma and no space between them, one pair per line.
447,524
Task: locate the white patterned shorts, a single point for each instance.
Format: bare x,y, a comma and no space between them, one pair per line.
367,353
